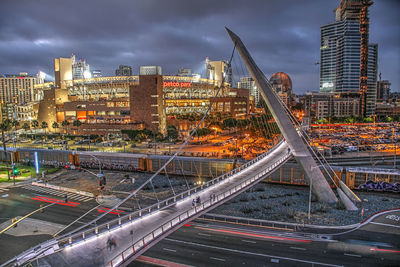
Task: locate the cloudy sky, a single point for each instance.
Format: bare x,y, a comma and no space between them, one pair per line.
282,35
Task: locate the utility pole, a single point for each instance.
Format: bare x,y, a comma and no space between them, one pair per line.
309,201
394,140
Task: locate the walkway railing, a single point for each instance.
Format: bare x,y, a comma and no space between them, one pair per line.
69,240
184,216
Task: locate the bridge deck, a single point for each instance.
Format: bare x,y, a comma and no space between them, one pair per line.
131,239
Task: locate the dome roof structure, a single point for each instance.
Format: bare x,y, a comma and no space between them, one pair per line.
281,78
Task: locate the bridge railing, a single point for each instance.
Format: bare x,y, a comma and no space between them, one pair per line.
70,239
184,216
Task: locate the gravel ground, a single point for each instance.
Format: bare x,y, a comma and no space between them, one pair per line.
290,204
263,201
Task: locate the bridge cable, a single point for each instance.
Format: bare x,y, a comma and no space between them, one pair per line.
166,163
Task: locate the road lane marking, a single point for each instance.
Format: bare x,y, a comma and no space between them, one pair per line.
168,249
54,192
385,224
217,259
298,248
384,250
251,253
203,234
254,235
249,241
352,255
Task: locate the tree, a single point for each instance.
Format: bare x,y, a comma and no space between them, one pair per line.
34,124
44,126
77,123
5,126
172,132
65,124
55,126
229,123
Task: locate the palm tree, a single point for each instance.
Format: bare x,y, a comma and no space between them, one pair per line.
44,126
65,124
5,126
77,123
55,126
34,125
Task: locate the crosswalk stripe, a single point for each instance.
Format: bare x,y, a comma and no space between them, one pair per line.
58,193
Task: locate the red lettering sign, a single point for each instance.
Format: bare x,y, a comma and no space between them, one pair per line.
177,84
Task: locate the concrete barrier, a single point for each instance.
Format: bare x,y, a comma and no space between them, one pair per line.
65,189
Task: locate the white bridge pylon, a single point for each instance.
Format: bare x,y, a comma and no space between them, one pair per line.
132,234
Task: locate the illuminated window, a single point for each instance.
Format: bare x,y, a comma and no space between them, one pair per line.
110,104
70,113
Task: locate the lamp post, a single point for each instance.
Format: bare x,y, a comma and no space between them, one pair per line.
309,201
394,140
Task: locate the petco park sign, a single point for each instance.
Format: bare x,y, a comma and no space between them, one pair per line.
177,84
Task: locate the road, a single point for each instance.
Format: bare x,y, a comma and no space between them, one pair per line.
21,200
204,243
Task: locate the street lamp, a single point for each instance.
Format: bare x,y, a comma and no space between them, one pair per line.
394,140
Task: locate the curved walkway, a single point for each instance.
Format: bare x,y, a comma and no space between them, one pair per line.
122,240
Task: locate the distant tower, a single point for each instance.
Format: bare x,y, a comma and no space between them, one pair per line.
249,83
80,69
346,64
123,70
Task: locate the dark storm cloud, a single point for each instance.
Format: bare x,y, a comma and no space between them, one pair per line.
281,35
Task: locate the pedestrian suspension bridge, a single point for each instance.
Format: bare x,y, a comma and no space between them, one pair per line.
119,241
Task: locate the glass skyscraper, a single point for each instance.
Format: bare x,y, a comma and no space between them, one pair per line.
348,62
340,57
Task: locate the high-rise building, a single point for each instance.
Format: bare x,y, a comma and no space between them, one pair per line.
383,89
371,94
217,70
18,88
249,83
80,69
345,60
62,70
123,70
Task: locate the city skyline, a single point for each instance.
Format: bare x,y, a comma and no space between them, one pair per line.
138,34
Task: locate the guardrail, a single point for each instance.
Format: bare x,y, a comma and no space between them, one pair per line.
136,247
68,239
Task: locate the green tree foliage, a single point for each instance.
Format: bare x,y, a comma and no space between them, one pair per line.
172,132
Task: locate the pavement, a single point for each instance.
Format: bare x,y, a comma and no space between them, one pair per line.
205,243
